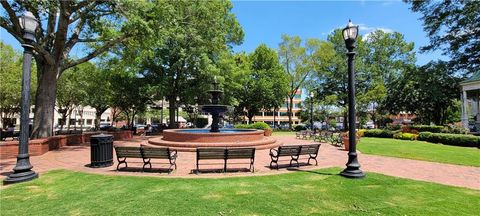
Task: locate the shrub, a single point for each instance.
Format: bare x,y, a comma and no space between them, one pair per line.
259,125
299,127
405,136
361,132
450,139
454,130
256,125
393,127
426,128
378,133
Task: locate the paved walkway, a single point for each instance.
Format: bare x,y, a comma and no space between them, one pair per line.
78,157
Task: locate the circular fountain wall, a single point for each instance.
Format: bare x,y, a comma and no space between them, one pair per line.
190,139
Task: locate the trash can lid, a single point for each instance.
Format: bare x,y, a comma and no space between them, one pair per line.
101,136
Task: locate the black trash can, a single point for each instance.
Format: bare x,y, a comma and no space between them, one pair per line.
101,151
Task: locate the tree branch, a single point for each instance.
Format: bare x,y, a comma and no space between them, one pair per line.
95,53
13,19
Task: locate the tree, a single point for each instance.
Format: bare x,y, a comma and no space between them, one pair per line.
264,85
330,68
295,62
388,56
70,91
11,82
96,25
181,64
454,28
429,92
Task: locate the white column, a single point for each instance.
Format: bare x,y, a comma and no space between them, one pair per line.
464,109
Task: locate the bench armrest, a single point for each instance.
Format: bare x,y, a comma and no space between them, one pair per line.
173,154
273,152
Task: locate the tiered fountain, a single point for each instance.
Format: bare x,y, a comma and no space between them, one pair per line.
190,139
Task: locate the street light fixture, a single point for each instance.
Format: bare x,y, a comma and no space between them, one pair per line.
350,34
311,109
23,169
178,110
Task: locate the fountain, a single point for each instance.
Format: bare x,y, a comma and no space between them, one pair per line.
190,139
215,109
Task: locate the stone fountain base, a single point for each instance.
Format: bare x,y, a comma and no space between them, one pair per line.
190,139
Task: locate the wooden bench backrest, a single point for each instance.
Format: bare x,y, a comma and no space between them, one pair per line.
210,153
288,150
128,151
309,149
240,153
156,152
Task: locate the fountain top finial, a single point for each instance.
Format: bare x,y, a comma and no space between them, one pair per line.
215,83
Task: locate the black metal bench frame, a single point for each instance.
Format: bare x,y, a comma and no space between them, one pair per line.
225,154
140,152
294,152
6,134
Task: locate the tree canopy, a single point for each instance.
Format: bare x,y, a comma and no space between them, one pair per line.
454,28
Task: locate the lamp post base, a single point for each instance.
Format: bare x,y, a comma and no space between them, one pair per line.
352,173
353,167
18,177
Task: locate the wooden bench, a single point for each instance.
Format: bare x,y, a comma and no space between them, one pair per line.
225,154
294,152
159,153
146,154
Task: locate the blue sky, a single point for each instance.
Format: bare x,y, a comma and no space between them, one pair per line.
266,21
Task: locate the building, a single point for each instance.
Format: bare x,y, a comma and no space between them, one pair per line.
470,102
281,115
80,117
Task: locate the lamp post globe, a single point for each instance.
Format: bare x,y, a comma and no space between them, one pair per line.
350,33
23,169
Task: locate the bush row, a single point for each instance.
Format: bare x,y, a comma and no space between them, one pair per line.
450,139
425,128
405,136
378,133
256,125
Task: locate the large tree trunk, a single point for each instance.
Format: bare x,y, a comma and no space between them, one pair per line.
98,117
172,112
290,112
345,121
45,100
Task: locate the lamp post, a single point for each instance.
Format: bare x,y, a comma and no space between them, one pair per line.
161,112
178,110
23,169
350,34
311,109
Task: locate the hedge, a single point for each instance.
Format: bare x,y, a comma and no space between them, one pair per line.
256,125
405,136
379,133
299,127
450,139
426,128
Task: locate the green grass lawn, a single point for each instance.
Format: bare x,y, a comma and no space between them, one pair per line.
283,133
419,150
320,192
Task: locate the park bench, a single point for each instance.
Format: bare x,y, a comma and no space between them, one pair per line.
294,152
226,154
146,154
6,134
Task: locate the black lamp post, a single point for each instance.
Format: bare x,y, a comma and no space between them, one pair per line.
23,169
161,113
311,109
350,34
178,110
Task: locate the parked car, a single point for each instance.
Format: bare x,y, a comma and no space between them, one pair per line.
105,126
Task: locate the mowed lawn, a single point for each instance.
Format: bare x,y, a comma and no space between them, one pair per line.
420,150
320,192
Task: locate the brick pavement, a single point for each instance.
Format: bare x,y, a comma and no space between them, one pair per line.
77,158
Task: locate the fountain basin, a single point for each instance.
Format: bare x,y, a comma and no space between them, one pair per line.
190,139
